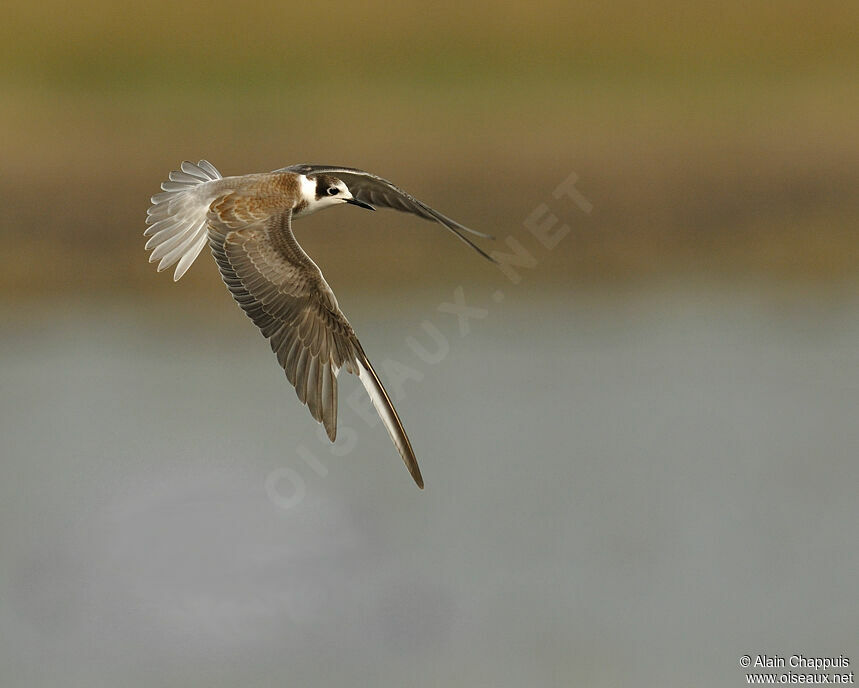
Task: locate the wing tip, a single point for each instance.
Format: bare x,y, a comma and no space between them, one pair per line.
330,430
388,414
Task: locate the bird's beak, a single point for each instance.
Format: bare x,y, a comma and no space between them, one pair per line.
361,204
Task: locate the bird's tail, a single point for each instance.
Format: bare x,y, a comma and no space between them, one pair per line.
177,216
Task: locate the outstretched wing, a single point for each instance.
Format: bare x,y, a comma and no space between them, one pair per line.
377,191
282,290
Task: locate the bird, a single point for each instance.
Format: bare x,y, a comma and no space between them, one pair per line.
247,222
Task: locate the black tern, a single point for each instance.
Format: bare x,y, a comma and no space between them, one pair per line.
247,222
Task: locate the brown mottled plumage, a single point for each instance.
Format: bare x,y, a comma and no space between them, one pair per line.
247,222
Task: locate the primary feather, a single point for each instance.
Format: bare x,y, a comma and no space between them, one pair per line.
247,222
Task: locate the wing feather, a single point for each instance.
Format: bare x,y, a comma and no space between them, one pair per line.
282,290
380,192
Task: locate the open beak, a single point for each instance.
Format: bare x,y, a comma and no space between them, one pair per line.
361,204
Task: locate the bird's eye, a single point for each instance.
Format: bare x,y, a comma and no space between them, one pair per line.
333,191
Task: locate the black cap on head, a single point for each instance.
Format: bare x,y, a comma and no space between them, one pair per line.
323,183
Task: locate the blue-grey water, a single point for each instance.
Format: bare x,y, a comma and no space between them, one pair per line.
627,489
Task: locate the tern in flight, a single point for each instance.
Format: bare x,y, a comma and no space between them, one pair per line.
247,222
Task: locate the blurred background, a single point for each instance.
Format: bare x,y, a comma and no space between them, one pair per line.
640,459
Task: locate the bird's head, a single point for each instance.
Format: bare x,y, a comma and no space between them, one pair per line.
323,190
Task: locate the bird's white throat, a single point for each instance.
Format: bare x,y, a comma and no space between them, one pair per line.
307,189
